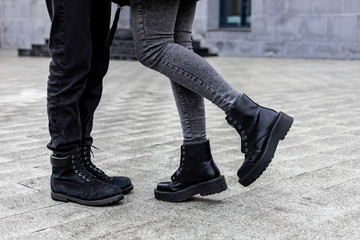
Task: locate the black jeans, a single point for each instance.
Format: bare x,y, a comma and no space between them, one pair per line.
80,59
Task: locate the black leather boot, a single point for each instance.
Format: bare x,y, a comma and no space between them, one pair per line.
70,181
197,174
123,182
260,129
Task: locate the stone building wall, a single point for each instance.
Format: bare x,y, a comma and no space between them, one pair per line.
26,22
23,22
279,28
291,28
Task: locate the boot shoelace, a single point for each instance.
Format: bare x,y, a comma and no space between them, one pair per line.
232,122
87,158
80,169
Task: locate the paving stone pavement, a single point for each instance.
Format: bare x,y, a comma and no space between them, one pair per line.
310,190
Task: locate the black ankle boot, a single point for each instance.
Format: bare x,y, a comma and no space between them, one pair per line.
70,181
123,182
197,174
260,129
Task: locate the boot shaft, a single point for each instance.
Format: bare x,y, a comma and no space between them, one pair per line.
252,121
196,164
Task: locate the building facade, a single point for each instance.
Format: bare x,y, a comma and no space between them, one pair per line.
244,28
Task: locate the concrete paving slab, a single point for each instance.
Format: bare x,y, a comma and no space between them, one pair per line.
310,190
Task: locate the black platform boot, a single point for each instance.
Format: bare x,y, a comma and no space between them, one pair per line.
123,182
260,129
197,174
70,181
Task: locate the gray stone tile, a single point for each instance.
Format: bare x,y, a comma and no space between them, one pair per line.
341,29
351,6
312,29
327,6
309,191
299,8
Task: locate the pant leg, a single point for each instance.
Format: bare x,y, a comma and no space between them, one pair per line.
70,48
189,104
152,28
100,22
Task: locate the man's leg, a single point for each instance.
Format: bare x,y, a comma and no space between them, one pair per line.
71,51
70,48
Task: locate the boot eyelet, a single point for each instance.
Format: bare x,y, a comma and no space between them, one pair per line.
73,161
183,152
245,144
88,163
173,178
242,132
74,167
230,118
234,122
88,179
80,174
245,137
246,150
76,171
180,169
91,166
183,147
72,157
99,171
239,127
84,177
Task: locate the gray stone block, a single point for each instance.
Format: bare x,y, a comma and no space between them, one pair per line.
351,6
274,7
358,29
351,51
341,28
256,7
273,49
227,48
298,50
296,7
249,49
327,6
327,50
282,28
312,29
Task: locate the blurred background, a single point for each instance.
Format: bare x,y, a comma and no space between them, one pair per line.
327,29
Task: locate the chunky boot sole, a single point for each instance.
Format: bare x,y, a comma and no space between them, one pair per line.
278,132
213,186
128,189
102,202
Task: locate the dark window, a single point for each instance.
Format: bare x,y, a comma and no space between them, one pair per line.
235,13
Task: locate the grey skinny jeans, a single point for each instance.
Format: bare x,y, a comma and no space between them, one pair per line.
162,35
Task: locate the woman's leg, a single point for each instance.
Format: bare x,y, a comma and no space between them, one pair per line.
260,128
153,28
190,105
197,173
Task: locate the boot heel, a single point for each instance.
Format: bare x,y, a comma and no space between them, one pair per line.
59,197
217,185
284,125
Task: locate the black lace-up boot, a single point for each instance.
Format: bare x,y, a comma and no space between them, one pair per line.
260,129
70,181
197,174
123,182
